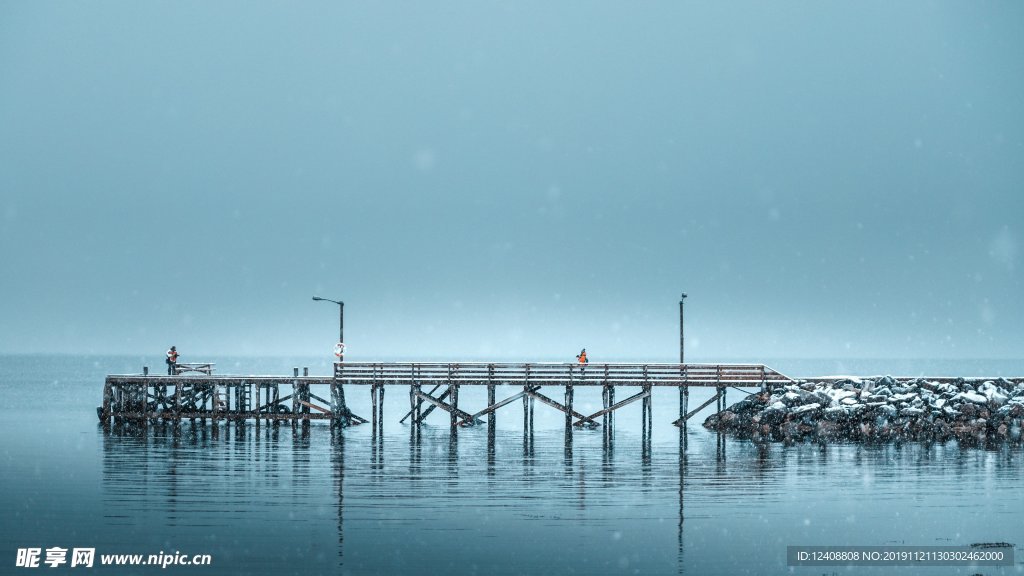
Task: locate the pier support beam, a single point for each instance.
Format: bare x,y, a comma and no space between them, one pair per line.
344,416
569,412
108,400
647,408
453,393
377,402
611,414
492,421
528,408
684,402
527,425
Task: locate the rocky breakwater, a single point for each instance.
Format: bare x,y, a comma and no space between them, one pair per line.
880,409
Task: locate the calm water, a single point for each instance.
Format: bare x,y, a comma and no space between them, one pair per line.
278,500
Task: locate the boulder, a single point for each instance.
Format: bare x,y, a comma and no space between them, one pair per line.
996,398
791,398
972,397
727,419
968,410
837,413
772,415
805,409
839,395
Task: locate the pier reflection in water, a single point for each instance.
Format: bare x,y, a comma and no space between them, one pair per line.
260,497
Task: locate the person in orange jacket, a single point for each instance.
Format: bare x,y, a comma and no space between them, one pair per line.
582,356
172,360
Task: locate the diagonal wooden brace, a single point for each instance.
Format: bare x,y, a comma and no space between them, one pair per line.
429,408
588,419
314,406
356,419
474,419
423,415
680,421
273,403
444,406
615,406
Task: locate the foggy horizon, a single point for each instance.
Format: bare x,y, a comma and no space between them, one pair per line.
512,180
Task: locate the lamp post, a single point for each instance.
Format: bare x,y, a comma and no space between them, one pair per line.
684,390
338,404
681,300
341,322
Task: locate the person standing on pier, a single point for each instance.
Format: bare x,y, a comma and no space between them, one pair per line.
582,356
172,360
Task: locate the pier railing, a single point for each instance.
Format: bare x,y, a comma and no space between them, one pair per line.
552,373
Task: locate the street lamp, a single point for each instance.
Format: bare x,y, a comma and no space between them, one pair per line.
341,322
681,299
338,405
684,389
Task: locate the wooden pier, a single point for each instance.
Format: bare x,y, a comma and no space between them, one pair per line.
193,392
430,385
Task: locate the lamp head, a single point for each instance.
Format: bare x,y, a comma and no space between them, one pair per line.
317,298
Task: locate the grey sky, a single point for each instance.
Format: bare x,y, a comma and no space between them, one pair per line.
513,180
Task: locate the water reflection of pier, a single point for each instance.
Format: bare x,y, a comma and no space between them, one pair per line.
178,472
231,481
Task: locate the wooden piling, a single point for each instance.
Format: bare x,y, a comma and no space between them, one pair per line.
455,404
492,419
380,407
568,404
